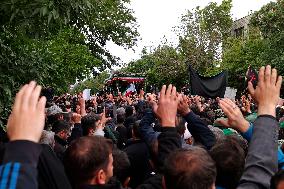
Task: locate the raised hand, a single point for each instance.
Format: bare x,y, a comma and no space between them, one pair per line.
104,119
76,118
82,103
141,94
183,106
235,119
26,121
129,100
167,108
267,91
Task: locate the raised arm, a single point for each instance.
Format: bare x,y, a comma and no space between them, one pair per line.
261,162
199,130
168,140
147,132
24,129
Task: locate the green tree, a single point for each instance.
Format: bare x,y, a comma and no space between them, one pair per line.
202,34
269,20
57,42
162,66
239,54
263,45
95,84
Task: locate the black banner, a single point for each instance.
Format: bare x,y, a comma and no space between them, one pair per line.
210,87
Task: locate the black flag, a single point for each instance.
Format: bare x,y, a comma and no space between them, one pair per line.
210,87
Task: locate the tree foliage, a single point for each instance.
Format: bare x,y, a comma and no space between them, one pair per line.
96,84
264,44
56,42
202,34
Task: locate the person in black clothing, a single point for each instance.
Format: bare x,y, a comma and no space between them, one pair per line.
138,154
121,168
62,132
180,168
129,121
121,130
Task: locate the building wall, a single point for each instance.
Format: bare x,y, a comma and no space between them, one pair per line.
240,27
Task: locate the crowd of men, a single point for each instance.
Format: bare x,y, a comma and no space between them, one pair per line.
147,141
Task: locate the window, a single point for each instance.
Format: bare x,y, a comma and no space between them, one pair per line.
239,32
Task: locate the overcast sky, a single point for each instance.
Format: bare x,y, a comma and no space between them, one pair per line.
156,18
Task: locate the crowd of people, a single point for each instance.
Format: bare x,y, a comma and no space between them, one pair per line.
167,140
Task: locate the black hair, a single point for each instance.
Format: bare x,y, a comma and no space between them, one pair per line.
136,129
230,160
60,125
84,157
120,118
121,165
189,169
128,111
89,122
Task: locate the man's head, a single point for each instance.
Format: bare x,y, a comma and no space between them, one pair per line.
128,111
121,167
88,161
136,130
120,118
90,123
190,169
230,159
61,129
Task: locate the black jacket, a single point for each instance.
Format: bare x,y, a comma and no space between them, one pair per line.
139,156
122,136
113,185
128,123
59,147
154,182
51,173
199,130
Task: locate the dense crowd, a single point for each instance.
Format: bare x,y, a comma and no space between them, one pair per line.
167,140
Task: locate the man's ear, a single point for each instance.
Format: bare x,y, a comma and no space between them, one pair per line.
61,133
101,177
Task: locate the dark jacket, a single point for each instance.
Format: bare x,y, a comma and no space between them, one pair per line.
139,156
199,130
128,123
147,132
77,132
122,136
113,185
51,173
59,147
20,165
154,182
169,140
